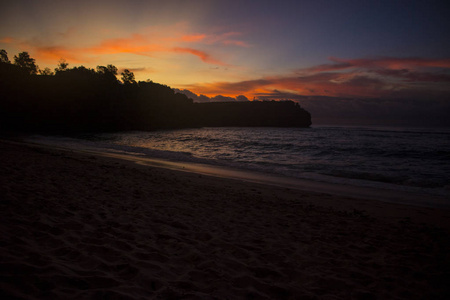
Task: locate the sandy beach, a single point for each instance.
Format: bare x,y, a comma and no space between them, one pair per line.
82,226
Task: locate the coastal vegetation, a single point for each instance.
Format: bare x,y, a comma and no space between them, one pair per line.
83,99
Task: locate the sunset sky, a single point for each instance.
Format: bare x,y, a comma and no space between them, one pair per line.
337,58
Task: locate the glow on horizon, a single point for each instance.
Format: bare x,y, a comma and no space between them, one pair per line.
269,51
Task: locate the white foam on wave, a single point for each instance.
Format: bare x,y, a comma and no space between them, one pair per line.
329,155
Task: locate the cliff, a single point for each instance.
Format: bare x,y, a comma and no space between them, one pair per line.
255,113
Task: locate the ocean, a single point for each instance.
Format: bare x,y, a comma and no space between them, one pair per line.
414,160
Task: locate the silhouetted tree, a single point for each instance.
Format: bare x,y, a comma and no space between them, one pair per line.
24,61
107,71
62,65
4,57
128,77
82,99
46,71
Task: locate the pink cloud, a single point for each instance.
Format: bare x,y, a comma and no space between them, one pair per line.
227,38
398,63
328,67
383,62
236,43
360,78
414,76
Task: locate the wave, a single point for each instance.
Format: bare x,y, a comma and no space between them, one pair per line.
329,154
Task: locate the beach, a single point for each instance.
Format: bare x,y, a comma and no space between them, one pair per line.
78,225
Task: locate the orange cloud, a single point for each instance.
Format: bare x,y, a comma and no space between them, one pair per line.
55,53
136,44
173,40
201,54
193,38
47,53
8,40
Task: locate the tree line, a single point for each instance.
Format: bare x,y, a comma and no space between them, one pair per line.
81,99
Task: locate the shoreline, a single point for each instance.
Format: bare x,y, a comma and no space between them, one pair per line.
343,190
79,225
383,194
348,197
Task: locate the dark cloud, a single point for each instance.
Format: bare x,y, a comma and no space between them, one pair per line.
136,70
188,93
220,98
414,76
365,82
241,98
389,63
328,67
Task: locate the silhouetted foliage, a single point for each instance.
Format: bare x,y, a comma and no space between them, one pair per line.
81,99
46,71
62,65
128,77
108,72
4,57
24,61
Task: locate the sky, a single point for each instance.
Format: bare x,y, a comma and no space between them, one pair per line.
345,61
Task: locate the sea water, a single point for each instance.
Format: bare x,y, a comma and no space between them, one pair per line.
408,159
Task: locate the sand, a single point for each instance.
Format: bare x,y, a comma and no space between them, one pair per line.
82,226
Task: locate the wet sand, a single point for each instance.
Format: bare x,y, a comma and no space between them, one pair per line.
83,226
